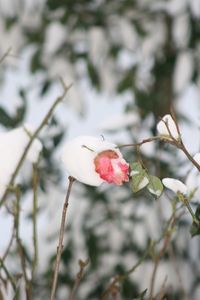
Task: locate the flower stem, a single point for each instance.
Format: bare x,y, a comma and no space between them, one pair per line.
185,151
61,238
185,201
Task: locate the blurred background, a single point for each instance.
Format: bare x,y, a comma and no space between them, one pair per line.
130,63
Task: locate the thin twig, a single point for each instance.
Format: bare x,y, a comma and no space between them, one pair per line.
177,271
20,247
167,236
61,238
9,243
79,275
9,276
179,143
157,261
34,135
171,140
162,290
185,151
185,201
119,278
35,201
5,55
148,140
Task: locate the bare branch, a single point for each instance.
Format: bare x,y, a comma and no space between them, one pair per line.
82,265
34,218
6,54
20,247
61,238
32,138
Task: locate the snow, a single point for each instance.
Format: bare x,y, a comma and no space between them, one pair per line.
34,151
30,18
127,59
128,35
109,76
175,7
83,128
143,183
7,291
195,7
133,172
155,192
183,71
119,121
12,39
12,146
98,49
197,157
61,68
193,182
188,105
154,40
193,179
181,30
175,185
167,127
54,37
78,157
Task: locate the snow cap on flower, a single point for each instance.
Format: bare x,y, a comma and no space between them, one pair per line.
93,161
167,127
175,185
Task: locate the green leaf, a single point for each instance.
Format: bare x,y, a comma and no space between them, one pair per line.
139,177
141,295
136,167
197,212
155,186
195,229
139,181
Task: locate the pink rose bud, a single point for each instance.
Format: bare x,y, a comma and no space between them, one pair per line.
111,167
93,161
